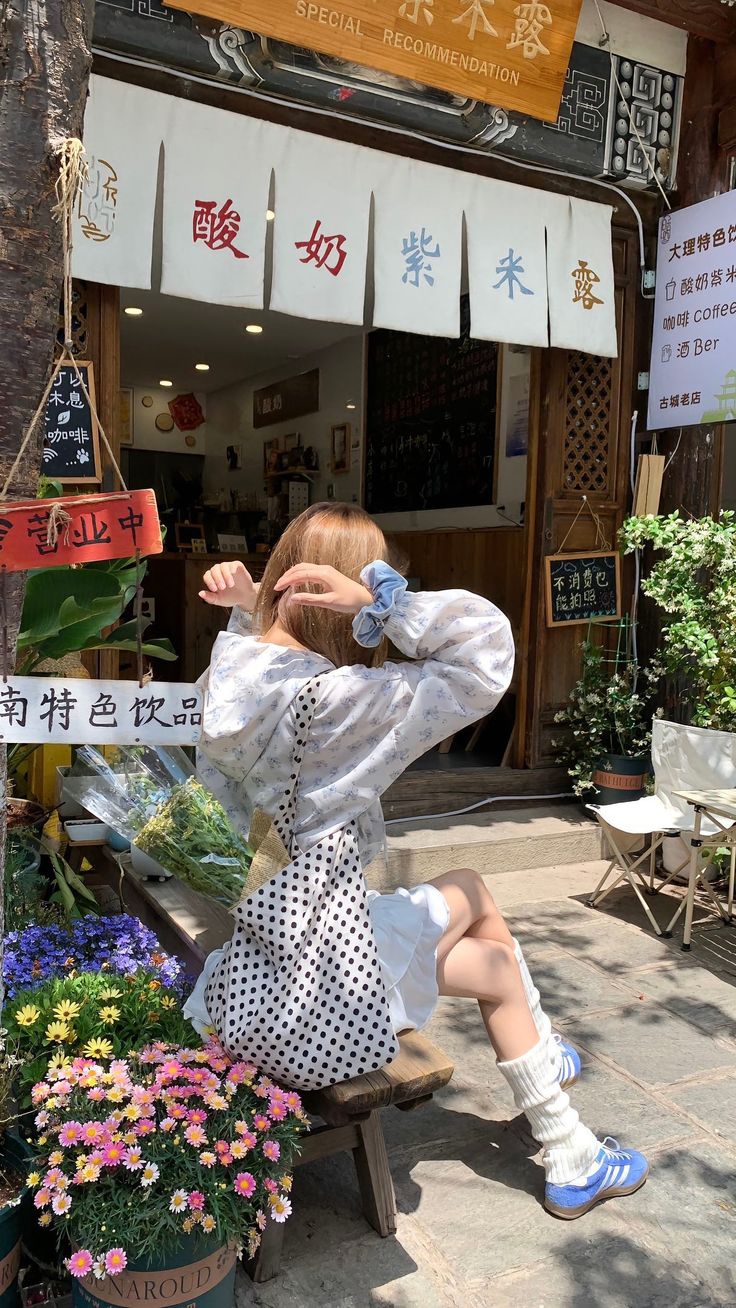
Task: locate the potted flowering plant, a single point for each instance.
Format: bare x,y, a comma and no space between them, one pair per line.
609,730
93,1015
160,1167
13,1167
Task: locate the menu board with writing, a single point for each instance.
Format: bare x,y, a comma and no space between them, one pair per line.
430,421
583,587
71,449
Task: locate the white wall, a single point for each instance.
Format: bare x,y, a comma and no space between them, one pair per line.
230,422
146,435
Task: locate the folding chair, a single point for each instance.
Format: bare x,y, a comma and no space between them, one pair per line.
684,759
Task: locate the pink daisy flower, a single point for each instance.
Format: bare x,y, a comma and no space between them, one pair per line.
196,1201
293,1102
92,1132
69,1134
168,1124
133,1159
61,1203
195,1135
261,1220
272,1150
113,1154
96,1093
197,1116
80,1263
208,1158
277,1111
116,1260
146,1127
270,1185
261,1122
42,1118
244,1184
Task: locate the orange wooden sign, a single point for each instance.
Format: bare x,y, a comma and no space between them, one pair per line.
503,52
78,529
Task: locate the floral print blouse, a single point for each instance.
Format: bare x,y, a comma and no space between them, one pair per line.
369,723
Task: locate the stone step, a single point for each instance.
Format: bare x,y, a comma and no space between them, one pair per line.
494,841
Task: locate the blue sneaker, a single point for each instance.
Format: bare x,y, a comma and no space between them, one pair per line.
618,1172
570,1058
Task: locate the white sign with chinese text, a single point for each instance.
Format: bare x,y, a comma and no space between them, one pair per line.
113,219
418,247
580,281
507,265
692,375
320,243
53,710
217,178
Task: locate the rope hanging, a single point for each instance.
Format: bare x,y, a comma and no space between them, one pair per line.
601,540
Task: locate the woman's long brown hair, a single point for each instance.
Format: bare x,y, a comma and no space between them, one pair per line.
342,536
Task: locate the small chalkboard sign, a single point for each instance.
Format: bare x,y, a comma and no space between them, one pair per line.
71,447
583,587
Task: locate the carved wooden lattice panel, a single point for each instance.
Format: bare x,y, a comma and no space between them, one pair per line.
80,321
586,446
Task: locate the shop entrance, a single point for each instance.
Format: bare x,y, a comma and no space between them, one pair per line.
241,419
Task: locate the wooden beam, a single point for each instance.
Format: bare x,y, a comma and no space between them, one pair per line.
707,18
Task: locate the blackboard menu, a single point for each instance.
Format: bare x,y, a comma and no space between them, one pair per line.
71,451
583,587
430,421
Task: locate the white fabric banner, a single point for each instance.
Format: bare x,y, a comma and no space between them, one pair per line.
113,220
320,243
418,246
582,306
217,176
507,266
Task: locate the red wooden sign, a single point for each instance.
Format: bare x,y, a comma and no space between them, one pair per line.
78,529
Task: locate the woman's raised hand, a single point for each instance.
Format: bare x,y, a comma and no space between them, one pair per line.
230,584
337,592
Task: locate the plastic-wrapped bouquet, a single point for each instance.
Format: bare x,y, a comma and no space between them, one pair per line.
155,799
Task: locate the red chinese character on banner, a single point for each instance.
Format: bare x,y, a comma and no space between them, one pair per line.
324,251
218,228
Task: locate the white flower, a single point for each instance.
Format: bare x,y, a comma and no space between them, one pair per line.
150,1174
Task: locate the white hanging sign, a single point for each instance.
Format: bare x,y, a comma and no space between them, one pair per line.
418,247
507,266
57,710
114,212
322,205
582,302
217,177
692,376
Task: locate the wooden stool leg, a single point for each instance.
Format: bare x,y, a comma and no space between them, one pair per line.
267,1262
374,1176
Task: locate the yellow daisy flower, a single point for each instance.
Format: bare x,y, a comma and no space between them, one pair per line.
115,1094
208,1222
34,1179
109,993
109,1014
60,1063
56,1157
98,1048
58,1032
168,1002
67,1010
27,1015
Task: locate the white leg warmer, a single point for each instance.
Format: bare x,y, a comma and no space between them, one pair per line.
541,1021
569,1147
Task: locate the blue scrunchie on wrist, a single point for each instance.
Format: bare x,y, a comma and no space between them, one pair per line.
387,588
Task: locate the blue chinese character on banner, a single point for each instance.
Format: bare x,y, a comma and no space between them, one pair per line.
510,268
418,252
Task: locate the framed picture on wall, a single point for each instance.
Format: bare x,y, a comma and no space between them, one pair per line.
341,447
126,416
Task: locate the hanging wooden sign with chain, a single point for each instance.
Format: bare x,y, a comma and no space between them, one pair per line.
78,529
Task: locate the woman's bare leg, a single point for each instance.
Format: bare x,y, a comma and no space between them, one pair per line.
476,961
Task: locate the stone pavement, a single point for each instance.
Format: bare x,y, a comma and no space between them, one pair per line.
657,1031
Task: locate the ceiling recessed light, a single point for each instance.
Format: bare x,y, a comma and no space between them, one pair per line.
133,312
202,367
254,328
270,215
350,405
164,382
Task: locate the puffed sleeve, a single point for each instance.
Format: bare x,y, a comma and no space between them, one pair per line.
241,622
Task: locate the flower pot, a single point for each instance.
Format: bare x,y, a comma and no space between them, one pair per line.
618,779
197,1275
15,1157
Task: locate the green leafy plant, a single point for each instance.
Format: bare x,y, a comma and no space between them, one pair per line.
693,581
66,611
605,714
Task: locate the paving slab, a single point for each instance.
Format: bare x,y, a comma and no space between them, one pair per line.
713,1103
705,999
653,1046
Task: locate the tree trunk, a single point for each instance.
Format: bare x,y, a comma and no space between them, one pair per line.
45,59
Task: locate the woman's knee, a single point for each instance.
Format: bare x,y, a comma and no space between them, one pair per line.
470,882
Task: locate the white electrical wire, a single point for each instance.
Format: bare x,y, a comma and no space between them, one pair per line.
492,799
282,102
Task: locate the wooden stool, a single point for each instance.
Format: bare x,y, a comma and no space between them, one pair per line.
350,1112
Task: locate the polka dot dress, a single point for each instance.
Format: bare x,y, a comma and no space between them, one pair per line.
299,989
